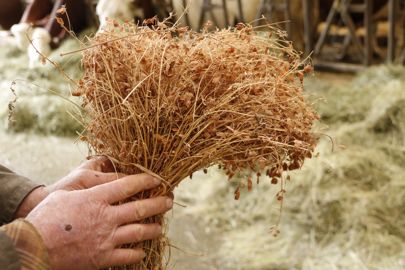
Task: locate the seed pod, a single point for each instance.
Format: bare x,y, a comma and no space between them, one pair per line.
285,166
249,183
237,193
300,75
308,69
230,175
245,119
76,93
294,165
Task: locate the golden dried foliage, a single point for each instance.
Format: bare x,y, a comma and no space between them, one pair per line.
169,101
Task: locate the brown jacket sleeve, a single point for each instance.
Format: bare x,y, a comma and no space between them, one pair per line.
13,190
22,248
9,258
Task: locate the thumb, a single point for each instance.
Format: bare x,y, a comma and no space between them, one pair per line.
99,163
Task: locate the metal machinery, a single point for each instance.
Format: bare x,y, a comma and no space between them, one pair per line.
207,9
268,7
340,30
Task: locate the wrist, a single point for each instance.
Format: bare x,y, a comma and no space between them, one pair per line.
31,201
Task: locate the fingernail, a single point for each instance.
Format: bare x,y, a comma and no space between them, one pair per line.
143,254
169,203
157,181
159,229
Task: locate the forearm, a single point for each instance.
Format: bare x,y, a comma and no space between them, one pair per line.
21,247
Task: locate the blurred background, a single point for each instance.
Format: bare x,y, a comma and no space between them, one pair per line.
344,210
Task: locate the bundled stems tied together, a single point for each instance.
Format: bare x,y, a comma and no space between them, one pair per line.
169,101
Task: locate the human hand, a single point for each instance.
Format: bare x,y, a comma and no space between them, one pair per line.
83,228
93,172
96,171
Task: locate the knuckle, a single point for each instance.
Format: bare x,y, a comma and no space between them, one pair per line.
139,233
146,180
134,256
123,189
139,212
82,174
58,193
95,163
125,192
115,175
104,163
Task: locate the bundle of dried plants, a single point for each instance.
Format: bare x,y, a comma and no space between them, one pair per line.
169,101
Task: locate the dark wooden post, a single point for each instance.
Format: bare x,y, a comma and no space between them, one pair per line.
403,36
240,10
225,8
147,9
287,18
308,35
392,11
324,33
368,39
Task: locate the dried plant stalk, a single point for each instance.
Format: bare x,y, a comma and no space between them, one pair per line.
169,101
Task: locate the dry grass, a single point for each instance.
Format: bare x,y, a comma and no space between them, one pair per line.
169,101
44,104
344,209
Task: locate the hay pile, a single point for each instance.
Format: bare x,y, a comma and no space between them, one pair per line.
344,209
44,104
169,101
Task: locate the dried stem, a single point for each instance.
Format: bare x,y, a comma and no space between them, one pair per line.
169,101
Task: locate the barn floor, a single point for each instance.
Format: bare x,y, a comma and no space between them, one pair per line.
344,210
